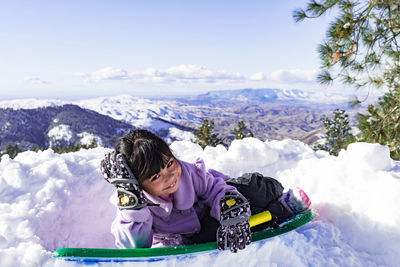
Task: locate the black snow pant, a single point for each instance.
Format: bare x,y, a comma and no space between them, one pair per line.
261,192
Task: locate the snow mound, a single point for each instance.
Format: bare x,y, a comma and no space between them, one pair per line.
49,201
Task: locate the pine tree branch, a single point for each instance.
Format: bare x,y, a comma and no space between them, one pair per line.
393,33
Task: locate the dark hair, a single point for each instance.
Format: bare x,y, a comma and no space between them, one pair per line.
146,153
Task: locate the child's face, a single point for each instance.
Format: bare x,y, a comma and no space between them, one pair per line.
166,181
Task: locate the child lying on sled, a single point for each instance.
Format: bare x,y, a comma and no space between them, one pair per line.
165,201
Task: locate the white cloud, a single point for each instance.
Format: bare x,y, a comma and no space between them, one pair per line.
108,73
195,74
185,73
259,76
293,76
35,80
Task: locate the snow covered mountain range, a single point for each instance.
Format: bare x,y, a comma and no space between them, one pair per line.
268,95
269,114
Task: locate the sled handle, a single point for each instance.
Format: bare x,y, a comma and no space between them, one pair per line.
260,218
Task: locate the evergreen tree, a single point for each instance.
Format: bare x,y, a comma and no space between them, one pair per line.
362,49
205,136
12,150
338,135
239,132
68,148
362,44
93,144
382,123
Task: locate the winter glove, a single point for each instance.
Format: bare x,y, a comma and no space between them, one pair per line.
234,231
117,172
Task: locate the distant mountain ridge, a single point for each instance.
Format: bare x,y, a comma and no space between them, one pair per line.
268,113
247,95
264,96
163,105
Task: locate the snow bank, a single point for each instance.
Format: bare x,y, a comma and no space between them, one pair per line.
48,201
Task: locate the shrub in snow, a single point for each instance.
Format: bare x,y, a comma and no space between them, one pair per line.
338,133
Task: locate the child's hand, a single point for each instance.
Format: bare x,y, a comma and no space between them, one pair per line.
234,231
118,173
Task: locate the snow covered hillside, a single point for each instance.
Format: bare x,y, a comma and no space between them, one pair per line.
162,117
272,114
49,200
155,115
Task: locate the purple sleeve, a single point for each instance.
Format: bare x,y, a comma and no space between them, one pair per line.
211,187
219,174
133,228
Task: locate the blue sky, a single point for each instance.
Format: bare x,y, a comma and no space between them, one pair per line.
78,49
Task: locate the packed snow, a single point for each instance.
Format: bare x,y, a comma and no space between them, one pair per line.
49,201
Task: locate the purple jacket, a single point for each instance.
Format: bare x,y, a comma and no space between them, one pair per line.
165,225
